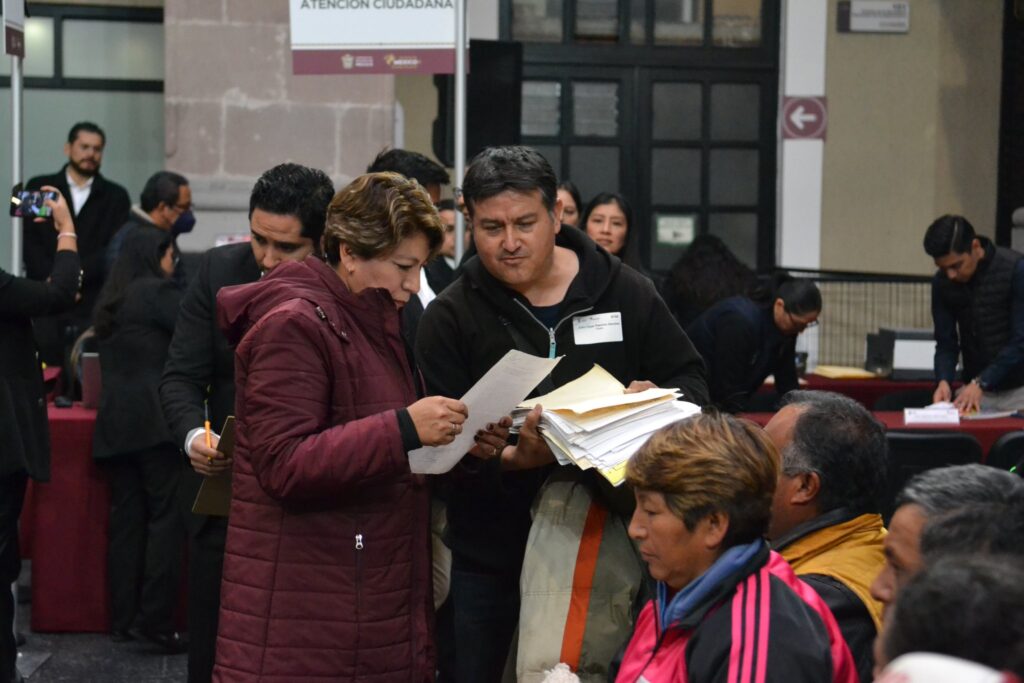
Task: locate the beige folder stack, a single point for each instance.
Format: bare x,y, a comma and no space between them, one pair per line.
592,423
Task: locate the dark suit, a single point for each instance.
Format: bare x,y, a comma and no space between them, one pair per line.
24,430
201,365
97,220
135,448
439,274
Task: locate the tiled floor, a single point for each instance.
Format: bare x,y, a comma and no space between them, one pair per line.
92,658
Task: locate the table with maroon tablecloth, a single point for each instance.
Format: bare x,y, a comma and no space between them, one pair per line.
985,431
864,391
64,531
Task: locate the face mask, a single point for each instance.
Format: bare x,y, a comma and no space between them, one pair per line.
186,221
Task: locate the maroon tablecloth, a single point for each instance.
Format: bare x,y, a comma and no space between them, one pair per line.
864,391
985,431
64,531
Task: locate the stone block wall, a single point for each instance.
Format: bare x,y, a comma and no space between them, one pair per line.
233,109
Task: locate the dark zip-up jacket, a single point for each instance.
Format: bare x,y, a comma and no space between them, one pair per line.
476,320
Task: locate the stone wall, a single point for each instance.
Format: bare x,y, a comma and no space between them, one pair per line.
234,109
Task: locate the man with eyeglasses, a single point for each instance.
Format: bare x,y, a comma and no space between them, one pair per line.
743,341
978,311
165,204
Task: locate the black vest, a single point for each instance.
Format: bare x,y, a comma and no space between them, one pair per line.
983,312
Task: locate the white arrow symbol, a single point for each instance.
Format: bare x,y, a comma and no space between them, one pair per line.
800,116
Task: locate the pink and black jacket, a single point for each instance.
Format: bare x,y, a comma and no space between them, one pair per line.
748,619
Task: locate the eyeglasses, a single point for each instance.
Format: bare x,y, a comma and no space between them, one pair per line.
801,325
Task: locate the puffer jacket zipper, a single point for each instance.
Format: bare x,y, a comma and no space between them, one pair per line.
359,592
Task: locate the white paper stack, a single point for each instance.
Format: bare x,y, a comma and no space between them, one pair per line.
592,422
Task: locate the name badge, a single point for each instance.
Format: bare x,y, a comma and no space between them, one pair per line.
597,329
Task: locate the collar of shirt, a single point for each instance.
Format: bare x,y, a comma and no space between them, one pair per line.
79,193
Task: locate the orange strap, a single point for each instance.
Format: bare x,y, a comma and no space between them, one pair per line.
582,582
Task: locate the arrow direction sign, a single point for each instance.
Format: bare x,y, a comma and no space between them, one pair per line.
804,118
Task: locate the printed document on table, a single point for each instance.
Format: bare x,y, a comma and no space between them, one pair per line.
500,390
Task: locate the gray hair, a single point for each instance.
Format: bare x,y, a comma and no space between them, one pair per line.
949,488
839,440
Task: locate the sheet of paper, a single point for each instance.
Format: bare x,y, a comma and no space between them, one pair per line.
988,415
931,416
501,388
597,382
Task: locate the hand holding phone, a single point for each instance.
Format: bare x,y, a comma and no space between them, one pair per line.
32,203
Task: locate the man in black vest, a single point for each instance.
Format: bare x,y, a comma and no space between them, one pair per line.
978,309
287,208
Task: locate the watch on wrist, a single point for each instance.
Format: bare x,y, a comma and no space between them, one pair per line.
981,384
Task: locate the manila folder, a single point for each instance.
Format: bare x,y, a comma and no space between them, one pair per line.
214,497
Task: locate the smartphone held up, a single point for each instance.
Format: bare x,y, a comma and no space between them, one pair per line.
31,203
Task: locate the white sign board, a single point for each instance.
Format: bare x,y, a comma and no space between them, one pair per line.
372,36
879,16
676,231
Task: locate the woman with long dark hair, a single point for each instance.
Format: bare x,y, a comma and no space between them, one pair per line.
134,321
608,220
706,273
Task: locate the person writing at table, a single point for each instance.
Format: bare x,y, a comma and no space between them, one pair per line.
327,569
742,342
24,432
978,311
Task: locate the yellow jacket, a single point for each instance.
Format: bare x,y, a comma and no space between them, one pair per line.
849,551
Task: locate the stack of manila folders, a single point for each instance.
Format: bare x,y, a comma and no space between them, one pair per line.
592,423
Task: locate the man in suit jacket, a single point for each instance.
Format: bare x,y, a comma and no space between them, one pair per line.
441,271
99,207
287,210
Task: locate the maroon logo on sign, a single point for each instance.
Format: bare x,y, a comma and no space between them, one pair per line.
804,118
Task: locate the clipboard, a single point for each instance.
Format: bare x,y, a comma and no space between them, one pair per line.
214,497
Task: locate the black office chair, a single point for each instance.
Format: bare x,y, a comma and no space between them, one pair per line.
1007,453
913,452
898,400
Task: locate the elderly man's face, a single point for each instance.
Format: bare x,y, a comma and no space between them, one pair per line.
780,431
902,553
515,237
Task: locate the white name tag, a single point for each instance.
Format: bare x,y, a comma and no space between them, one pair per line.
597,329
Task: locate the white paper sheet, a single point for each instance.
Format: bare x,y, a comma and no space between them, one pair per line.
501,388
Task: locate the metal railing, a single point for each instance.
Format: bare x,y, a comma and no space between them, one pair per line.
855,304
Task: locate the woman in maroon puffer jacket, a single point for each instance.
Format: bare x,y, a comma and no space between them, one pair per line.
327,565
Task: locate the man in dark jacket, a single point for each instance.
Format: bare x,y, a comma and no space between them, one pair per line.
165,204
99,207
825,514
550,293
286,216
978,310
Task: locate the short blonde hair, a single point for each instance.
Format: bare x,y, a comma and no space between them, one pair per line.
375,212
711,463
